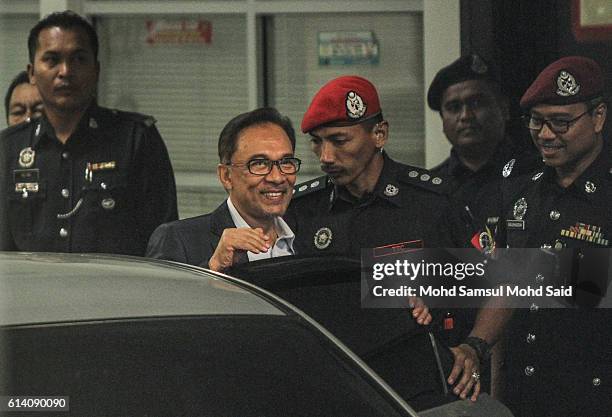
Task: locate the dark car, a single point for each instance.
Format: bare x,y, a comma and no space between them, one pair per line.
122,336
127,337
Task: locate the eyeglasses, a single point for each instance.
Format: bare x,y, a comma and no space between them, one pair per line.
263,166
555,125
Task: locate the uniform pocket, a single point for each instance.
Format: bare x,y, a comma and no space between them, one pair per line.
25,208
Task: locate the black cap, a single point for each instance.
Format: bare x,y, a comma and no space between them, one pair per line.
468,67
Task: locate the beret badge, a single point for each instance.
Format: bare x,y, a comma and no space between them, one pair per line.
478,66
355,107
566,84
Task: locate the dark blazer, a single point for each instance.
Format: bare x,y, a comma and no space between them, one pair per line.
191,241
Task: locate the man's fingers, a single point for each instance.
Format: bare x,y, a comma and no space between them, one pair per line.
464,386
476,393
458,365
245,239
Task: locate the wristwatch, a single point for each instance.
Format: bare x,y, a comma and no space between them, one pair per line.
482,348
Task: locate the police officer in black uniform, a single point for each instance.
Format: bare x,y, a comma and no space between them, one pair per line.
474,112
367,200
559,361
81,178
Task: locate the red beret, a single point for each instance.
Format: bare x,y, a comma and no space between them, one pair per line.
569,80
343,101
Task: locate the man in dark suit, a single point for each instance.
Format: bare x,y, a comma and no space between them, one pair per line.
258,170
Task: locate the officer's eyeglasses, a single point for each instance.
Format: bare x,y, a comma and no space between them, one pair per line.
263,166
555,125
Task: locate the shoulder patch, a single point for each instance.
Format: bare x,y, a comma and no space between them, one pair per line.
136,117
423,178
311,186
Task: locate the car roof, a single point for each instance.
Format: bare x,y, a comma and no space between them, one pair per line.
51,287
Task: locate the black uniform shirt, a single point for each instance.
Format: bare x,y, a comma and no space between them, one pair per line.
556,216
407,206
559,361
105,190
480,190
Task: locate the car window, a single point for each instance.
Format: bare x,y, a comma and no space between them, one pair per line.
207,366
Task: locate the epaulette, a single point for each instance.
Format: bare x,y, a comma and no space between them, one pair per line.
136,117
423,178
311,186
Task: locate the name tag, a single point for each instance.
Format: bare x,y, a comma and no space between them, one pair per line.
395,248
515,224
26,175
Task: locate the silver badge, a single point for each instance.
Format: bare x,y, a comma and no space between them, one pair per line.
26,157
391,190
355,107
567,85
314,184
302,187
478,65
537,176
520,208
92,123
485,241
108,203
589,187
508,168
323,238
37,131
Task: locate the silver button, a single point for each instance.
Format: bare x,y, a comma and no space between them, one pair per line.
108,203
425,177
65,193
539,278
589,187
65,155
63,232
103,185
596,382
531,338
554,215
413,174
529,370
534,308
546,246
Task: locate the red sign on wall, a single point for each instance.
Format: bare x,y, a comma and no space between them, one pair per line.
180,31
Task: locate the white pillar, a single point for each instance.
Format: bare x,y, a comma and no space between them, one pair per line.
251,51
441,46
